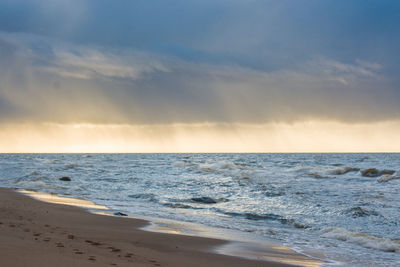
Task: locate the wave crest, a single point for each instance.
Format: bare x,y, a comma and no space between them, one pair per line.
373,172
360,212
362,239
341,171
387,178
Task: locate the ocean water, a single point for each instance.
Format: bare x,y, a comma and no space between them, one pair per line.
323,202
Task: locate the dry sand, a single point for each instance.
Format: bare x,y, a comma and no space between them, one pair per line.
36,233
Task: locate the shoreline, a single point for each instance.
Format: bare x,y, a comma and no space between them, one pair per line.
72,235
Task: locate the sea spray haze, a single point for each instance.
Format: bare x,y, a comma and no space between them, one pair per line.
327,202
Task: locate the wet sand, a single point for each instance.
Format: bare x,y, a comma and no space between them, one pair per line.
37,233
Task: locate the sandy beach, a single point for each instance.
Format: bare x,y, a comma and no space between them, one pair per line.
37,233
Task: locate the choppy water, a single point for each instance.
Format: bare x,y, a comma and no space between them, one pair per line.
305,201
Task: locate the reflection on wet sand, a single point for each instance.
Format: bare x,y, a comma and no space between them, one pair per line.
51,198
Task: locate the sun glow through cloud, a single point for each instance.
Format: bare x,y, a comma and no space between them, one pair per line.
312,136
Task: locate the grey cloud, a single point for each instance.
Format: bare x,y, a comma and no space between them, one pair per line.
261,34
46,80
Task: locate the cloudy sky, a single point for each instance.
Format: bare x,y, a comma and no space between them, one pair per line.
210,75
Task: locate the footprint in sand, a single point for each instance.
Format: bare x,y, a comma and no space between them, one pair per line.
71,236
92,258
93,243
129,255
47,239
114,249
60,245
155,263
77,251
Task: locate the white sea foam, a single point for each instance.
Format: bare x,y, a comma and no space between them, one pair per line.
362,239
226,168
180,163
37,184
219,166
387,178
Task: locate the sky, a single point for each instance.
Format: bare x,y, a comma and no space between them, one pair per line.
199,76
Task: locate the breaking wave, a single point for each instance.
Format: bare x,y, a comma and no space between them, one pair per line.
373,172
364,240
361,212
387,178
221,166
341,171
237,170
384,175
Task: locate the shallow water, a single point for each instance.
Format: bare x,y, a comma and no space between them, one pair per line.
305,201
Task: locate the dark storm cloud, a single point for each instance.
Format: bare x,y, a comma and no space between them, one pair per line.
195,61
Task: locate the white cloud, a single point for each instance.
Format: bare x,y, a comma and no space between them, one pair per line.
87,63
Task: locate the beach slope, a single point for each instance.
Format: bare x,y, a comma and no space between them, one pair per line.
36,233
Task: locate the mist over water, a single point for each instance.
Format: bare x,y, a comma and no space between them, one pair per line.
345,205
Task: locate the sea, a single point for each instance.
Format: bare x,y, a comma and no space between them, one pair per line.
346,206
